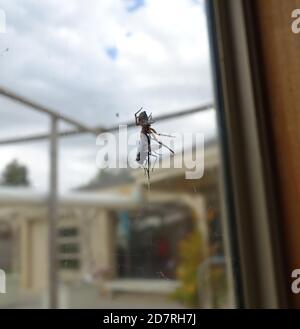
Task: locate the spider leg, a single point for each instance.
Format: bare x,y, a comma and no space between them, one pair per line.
145,170
136,117
145,167
166,135
167,147
136,113
148,169
159,142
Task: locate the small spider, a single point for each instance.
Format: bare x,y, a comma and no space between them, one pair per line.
145,150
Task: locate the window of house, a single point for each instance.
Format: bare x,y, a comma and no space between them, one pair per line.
154,225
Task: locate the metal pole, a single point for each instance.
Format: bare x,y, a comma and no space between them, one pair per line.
43,109
99,129
53,218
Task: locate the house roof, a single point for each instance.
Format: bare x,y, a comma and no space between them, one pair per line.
107,178
117,177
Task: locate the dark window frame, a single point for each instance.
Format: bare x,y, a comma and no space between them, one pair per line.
251,219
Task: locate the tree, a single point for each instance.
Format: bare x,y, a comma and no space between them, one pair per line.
108,178
191,255
15,174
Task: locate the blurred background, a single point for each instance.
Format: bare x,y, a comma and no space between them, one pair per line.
119,244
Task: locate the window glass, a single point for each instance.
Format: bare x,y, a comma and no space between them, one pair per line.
139,216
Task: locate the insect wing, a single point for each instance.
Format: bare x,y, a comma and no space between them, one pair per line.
142,149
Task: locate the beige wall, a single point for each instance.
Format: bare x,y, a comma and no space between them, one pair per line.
96,245
103,242
33,254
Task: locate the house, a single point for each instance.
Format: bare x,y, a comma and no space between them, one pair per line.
115,232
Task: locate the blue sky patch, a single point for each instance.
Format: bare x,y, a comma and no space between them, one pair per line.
112,52
133,5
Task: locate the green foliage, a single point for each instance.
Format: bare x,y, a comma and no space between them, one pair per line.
191,255
15,174
219,287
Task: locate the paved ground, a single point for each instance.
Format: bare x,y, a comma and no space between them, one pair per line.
85,296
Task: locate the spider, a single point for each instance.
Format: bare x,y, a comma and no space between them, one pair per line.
145,149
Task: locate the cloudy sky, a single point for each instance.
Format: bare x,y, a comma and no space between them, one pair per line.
98,61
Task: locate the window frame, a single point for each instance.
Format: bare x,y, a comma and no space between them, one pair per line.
250,207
